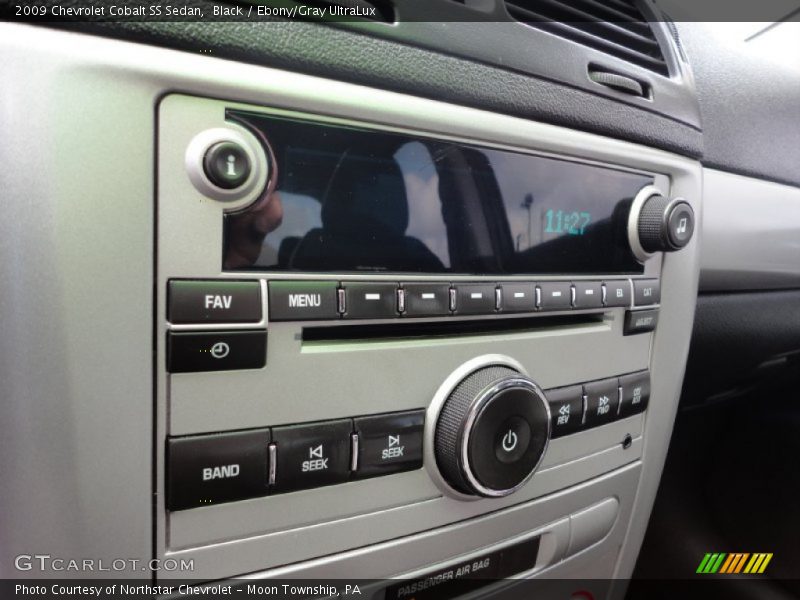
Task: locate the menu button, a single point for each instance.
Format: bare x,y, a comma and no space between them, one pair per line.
302,300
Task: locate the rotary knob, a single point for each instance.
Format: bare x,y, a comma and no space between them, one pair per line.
492,432
664,224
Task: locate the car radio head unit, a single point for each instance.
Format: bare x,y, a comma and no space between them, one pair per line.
432,319
347,199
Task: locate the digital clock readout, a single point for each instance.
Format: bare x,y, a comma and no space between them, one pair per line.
561,222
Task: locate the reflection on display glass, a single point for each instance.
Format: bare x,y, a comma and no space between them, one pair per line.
355,200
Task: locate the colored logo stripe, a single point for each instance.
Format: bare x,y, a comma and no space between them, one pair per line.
733,563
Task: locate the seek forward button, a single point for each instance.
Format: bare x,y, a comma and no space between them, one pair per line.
389,443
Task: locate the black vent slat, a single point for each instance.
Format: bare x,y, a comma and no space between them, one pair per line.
558,11
611,13
628,7
613,26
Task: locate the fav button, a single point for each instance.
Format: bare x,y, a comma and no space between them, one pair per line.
303,300
312,455
389,443
209,469
216,301
190,352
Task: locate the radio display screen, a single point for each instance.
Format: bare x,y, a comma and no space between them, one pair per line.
349,199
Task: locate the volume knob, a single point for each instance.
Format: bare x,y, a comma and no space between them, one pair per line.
492,432
665,225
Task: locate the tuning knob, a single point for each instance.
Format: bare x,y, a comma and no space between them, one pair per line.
663,224
492,432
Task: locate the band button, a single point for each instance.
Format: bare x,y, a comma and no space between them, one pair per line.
209,469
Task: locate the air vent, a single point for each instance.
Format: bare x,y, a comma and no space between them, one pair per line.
616,27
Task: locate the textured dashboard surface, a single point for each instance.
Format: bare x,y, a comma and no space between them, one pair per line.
748,95
354,57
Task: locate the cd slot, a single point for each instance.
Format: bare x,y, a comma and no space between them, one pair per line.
438,329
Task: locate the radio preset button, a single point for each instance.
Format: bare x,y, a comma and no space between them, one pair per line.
370,300
474,299
216,301
646,291
209,469
618,293
635,393
555,295
566,410
588,294
303,300
312,455
389,443
518,297
427,299
191,352
602,401
640,321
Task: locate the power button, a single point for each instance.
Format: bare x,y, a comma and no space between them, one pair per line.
512,440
